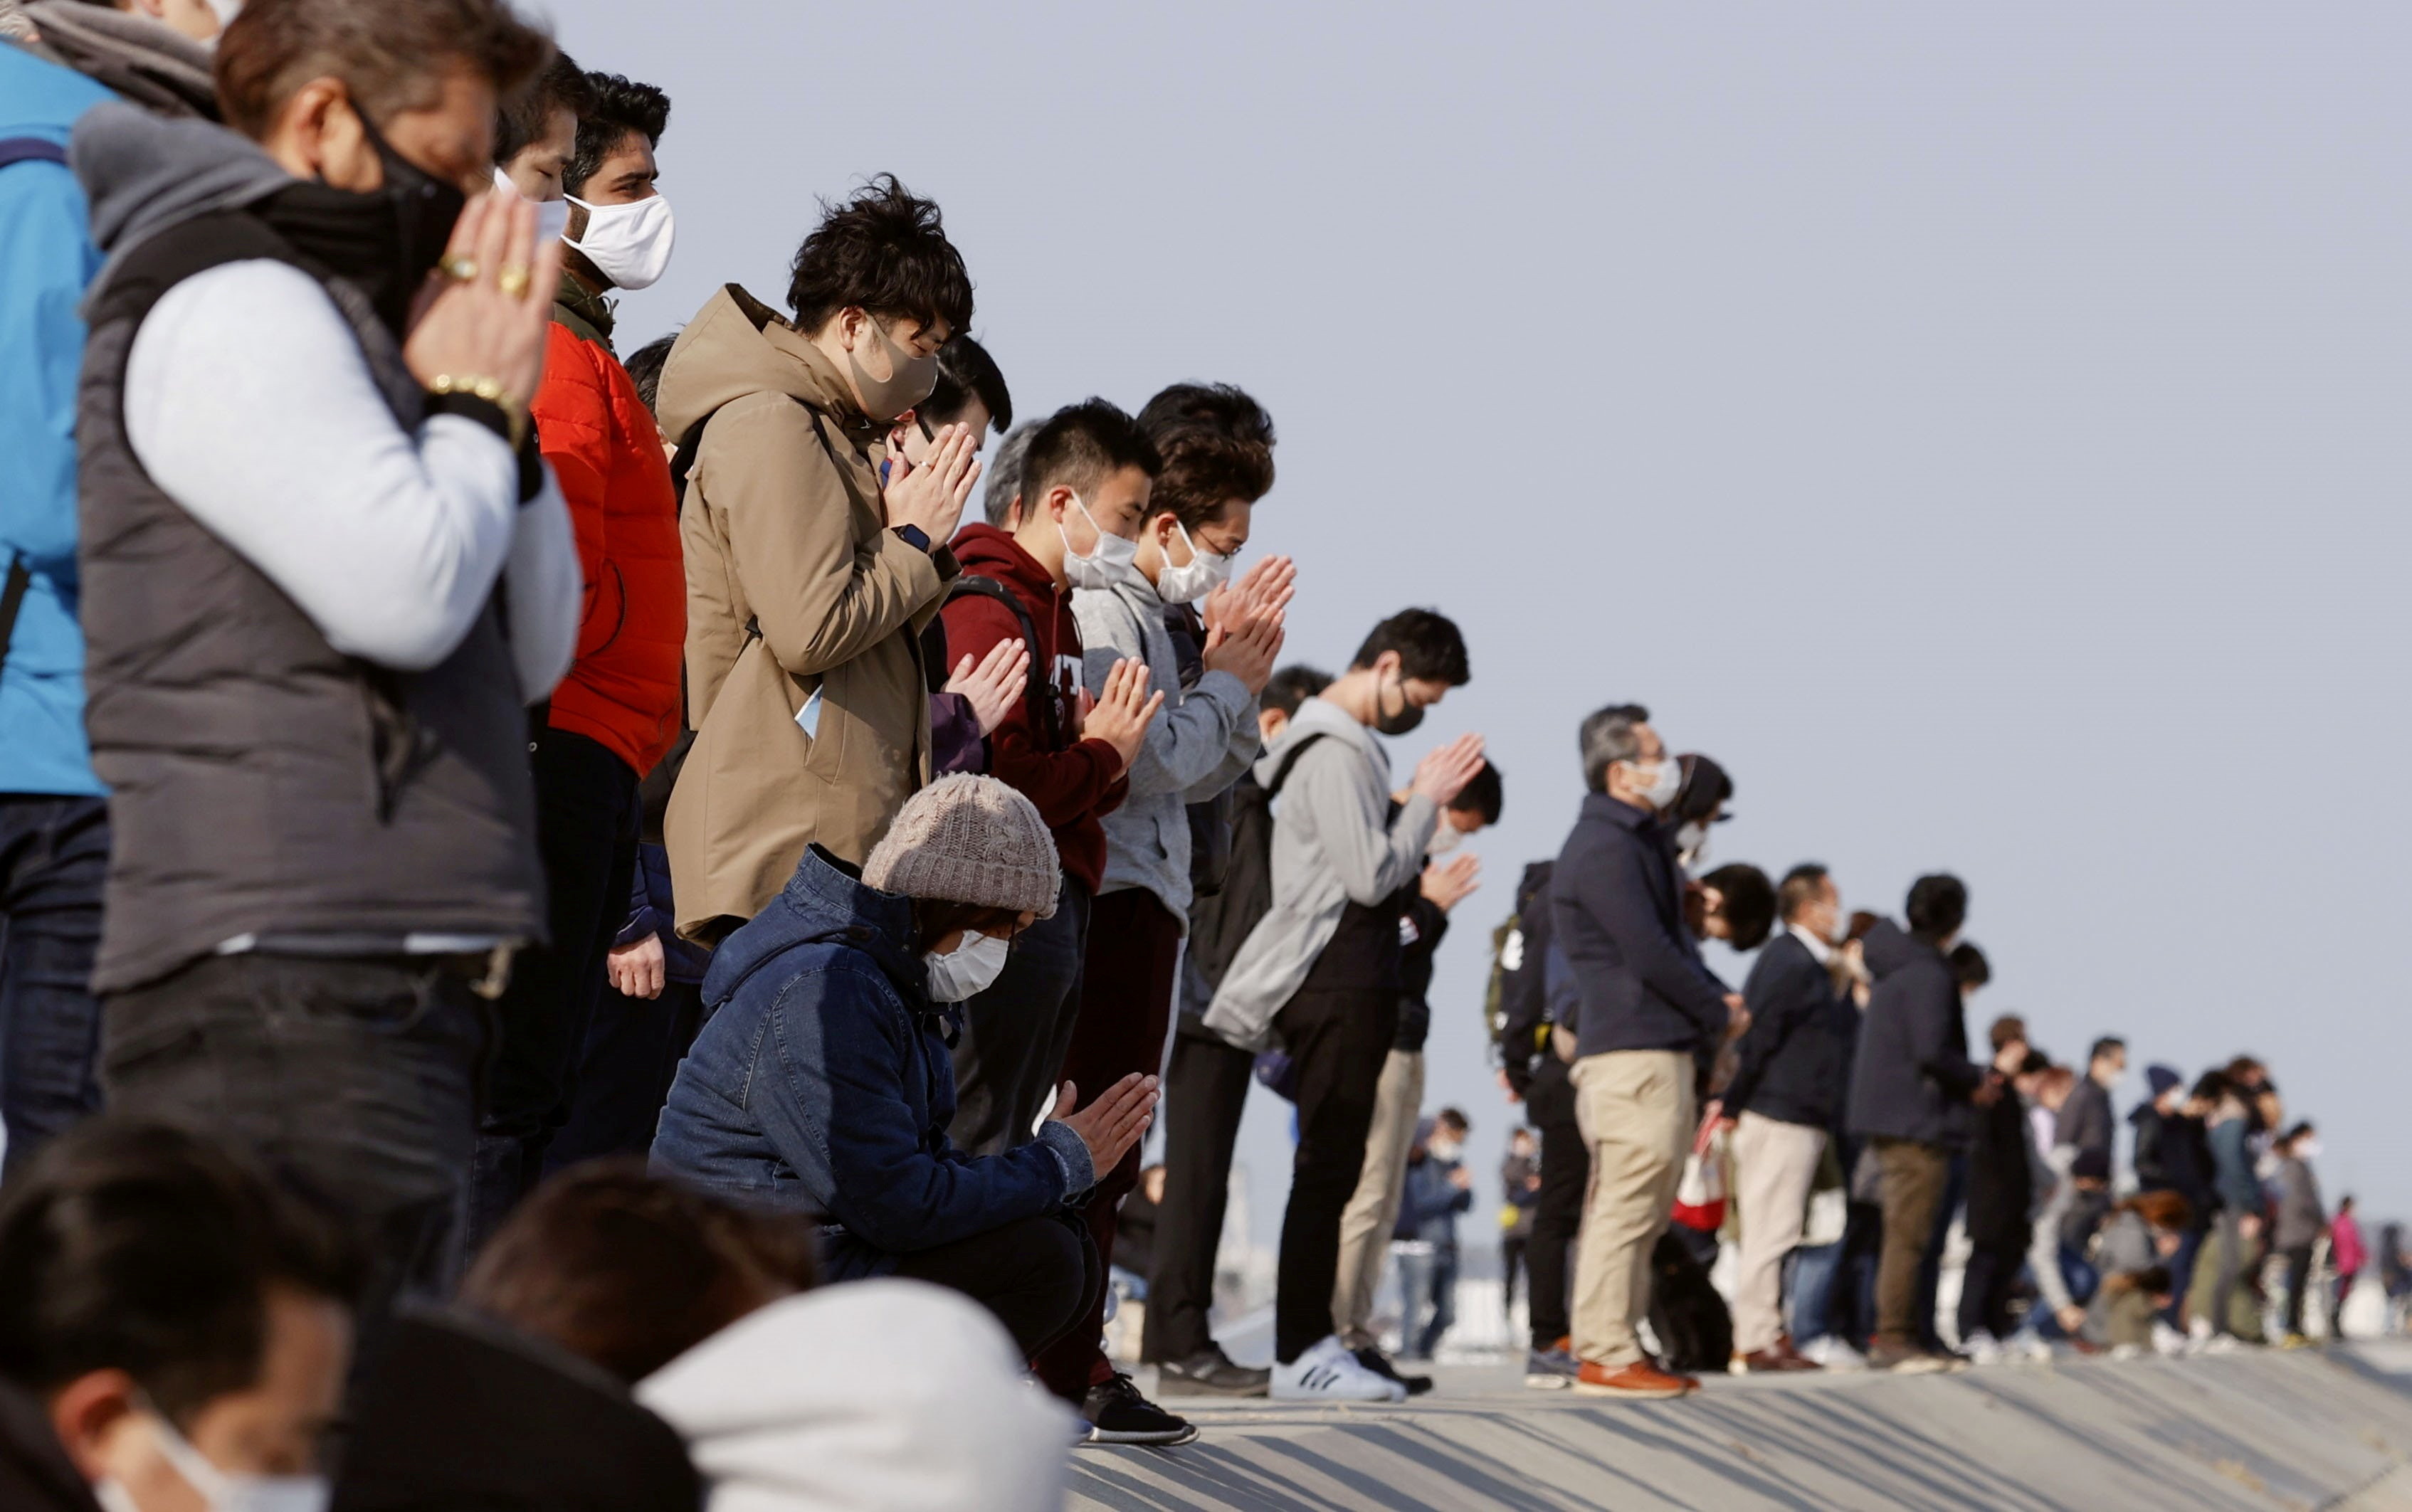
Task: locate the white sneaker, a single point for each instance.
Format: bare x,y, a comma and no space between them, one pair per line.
1829,1350
2223,1343
2167,1341
2198,1336
1983,1349
2028,1345
1329,1373
2128,1351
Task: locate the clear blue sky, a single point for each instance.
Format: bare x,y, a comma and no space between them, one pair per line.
1984,428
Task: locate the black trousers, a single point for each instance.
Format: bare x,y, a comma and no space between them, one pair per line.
358,1076
1557,1210
633,1048
1337,1040
2299,1279
1039,1276
586,834
1205,1091
1016,1035
1986,1286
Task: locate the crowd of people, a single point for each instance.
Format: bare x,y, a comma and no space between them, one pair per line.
570,923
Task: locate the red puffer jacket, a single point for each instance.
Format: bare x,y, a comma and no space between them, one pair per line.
623,690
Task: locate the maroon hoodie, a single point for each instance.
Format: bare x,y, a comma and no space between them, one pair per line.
1074,782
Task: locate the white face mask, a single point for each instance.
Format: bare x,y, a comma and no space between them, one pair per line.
1443,1149
629,244
969,969
1692,844
1446,837
2307,1148
220,1491
1206,571
551,215
1102,567
1664,782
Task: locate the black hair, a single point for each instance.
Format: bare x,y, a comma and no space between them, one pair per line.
1481,794
1081,446
644,367
522,118
1218,446
2297,1132
1969,967
140,1247
1455,1118
884,252
1608,738
1291,687
2103,1047
1749,903
966,373
2007,1029
1706,787
615,106
1430,649
1938,906
1800,886
2036,1064
2210,1086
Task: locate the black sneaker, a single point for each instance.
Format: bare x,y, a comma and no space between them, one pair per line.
1379,1363
1117,1413
1211,1374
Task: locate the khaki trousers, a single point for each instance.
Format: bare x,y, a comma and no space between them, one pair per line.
1914,1175
1775,1163
1638,1115
1365,1224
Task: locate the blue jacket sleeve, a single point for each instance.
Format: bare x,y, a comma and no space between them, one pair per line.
838,1106
1616,892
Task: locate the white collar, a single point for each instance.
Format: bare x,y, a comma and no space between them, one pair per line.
1818,950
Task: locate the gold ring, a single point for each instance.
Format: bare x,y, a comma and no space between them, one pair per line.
461,270
513,280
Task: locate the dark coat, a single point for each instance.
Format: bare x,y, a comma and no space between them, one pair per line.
2085,1120
653,911
822,1085
1429,1202
1796,1057
1912,1076
1421,929
2001,1177
1617,906
1524,989
464,1416
1219,921
35,1474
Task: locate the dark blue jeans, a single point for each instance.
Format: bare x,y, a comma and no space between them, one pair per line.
53,858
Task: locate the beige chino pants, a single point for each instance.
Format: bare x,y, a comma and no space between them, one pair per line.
1775,1164
1638,1115
1365,1224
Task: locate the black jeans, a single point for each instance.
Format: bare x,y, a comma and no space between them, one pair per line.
2298,1279
356,1075
1986,1286
633,1048
1205,1091
53,858
586,834
1337,1040
1039,1276
1016,1033
1557,1212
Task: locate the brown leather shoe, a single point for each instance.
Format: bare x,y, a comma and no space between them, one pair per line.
1770,1362
1639,1381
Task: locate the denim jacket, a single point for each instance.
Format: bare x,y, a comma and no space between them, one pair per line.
821,1084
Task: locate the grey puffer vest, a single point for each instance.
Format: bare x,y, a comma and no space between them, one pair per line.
264,785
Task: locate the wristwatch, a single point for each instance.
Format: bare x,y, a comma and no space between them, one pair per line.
914,537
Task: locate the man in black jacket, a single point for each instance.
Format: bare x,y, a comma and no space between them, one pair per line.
1206,1091
1649,1011
1794,1071
1538,1077
1911,1086
2001,1195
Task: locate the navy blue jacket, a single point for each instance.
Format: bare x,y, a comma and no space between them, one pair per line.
1796,1056
1616,903
1429,1202
652,910
821,1084
1912,1076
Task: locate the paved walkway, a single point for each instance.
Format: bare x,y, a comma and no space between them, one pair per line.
2255,1434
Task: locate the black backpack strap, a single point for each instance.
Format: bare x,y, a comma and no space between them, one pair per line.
15,150
1289,760
1035,688
12,598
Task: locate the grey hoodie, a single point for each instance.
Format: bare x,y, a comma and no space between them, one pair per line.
144,60
1200,745
1334,844
145,175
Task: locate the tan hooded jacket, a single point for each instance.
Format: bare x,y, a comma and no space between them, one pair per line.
794,587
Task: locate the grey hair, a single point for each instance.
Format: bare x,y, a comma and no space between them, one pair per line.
1608,738
1005,474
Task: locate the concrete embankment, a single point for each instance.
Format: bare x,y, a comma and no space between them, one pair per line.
2253,1432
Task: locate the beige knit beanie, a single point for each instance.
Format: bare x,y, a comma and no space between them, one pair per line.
969,840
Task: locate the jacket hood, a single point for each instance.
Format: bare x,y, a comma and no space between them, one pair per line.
825,903
984,544
145,175
144,60
737,345
1315,716
1891,948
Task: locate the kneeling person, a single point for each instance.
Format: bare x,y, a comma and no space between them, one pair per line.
822,1084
